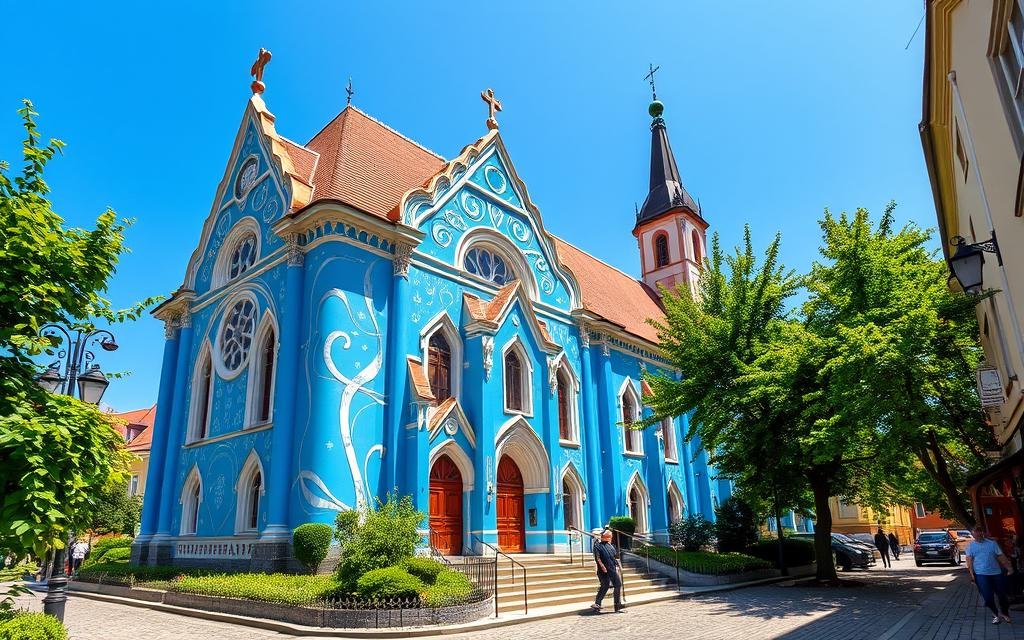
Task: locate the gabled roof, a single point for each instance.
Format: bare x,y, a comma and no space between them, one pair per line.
418,379
611,294
144,418
447,408
366,164
490,313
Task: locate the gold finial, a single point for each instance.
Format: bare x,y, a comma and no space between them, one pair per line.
492,106
257,71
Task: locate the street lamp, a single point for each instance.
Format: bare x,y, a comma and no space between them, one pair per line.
75,355
967,262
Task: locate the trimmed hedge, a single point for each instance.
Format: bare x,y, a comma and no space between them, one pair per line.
624,524
138,573
703,562
106,544
311,542
389,582
118,554
796,552
32,626
275,587
426,569
450,588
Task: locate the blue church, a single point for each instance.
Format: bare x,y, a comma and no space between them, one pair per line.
361,314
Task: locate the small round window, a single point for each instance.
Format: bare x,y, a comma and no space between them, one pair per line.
487,264
236,334
243,256
246,177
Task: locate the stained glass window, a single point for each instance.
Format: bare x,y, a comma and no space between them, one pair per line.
243,256
487,264
236,336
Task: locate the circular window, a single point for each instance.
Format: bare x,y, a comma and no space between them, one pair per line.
243,256
236,334
246,177
487,264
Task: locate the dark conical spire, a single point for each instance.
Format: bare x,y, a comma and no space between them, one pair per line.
666,191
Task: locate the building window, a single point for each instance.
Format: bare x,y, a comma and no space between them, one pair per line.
676,504
192,496
513,382
236,334
265,377
668,437
254,500
961,156
565,430
249,490
698,256
489,265
439,367
631,437
133,486
1010,63
202,387
637,505
919,509
661,250
243,256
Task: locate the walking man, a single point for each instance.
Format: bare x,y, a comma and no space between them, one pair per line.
882,544
78,553
607,572
985,564
894,545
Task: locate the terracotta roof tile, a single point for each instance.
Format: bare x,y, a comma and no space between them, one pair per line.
366,164
442,412
612,294
303,160
144,418
645,389
418,378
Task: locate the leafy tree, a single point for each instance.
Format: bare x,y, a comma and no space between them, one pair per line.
735,526
57,454
387,536
115,511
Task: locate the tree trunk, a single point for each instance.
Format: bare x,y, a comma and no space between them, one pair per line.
826,567
782,549
935,464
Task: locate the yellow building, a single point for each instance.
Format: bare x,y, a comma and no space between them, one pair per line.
852,518
972,130
137,429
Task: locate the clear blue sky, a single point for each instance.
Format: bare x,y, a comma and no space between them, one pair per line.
774,110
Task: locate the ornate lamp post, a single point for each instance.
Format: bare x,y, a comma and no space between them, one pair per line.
72,372
967,262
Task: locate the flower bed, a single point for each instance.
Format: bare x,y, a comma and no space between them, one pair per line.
705,563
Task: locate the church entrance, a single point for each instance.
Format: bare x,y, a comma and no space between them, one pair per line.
511,523
446,506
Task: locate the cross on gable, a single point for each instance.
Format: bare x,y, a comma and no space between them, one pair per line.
257,70
492,106
650,78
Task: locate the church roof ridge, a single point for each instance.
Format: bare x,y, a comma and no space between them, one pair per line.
594,258
382,124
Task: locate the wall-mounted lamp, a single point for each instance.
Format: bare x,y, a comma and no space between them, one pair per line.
966,263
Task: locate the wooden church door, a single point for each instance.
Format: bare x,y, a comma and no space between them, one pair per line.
511,522
446,506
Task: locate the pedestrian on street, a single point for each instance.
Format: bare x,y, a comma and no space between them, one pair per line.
894,545
882,544
986,564
607,572
78,553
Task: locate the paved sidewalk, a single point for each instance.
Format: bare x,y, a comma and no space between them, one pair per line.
928,603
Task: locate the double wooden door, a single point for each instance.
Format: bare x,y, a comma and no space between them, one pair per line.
511,522
446,506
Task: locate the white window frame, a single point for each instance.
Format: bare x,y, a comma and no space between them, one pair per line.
133,485
526,384
190,503
629,434
443,322
919,510
245,226
675,496
224,309
1006,45
499,244
243,493
644,519
562,367
254,385
194,419
577,495
670,442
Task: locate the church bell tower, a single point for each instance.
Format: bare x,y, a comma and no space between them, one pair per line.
669,227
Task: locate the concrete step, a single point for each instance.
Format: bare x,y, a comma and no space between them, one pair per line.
591,579
541,591
509,603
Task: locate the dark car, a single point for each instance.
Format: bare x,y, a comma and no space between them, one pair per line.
937,546
860,544
848,555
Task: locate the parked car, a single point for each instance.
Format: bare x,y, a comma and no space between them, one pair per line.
865,541
937,546
963,538
848,555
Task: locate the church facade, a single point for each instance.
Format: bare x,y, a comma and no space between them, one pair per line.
361,315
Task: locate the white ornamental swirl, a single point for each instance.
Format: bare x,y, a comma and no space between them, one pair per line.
259,196
270,211
441,234
472,206
519,230
497,215
491,172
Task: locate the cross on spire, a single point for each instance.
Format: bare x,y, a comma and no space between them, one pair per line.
492,106
650,78
350,91
256,72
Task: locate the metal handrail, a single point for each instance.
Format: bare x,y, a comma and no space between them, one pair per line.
436,554
497,552
645,543
582,555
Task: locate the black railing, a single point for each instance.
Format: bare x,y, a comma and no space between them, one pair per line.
515,563
583,549
637,544
481,570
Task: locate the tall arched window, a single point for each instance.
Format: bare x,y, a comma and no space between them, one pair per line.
265,380
568,507
191,497
636,506
637,501
513,381
249,490
676,504
202,387
668,437
439,366
255,487
565,430
661,250
697,254
631,437
488,264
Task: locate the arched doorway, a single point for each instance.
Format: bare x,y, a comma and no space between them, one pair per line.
446,506
511,523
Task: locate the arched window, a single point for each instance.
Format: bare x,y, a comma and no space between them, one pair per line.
568,507
202,388
697,254
191,497
513,382
254,500
572,499
243,255
637,508
661,250
265,377
565,430
631,437
249,489
439,366
488,264
676,505
668,437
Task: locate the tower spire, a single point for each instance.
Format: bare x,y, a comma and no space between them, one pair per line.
666,191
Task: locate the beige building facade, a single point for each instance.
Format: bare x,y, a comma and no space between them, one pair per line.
852,518
972,131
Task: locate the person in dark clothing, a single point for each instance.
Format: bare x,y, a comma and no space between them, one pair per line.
882,544
894,545
607,572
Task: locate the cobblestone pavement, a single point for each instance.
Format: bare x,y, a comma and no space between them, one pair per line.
928,603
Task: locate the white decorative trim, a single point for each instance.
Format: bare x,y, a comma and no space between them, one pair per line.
672,443
296,257
194,419
643,522
571,476
672,490
443,322
487,344
497,243
402,259
190,510
628,387
452,449
243,492
526,384
561,362
517,439
242,228
255,378
455,421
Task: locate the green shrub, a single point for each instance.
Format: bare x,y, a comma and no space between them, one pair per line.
389,582
693,533
310,543
32,626
386,537
118,554
426,569
450,588
106,544
704,562
274,587
122,572
796,552
624,524
735,526
345,525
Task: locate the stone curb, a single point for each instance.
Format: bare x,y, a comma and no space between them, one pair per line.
415,632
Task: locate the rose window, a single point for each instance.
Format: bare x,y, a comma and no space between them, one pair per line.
236,335
488,265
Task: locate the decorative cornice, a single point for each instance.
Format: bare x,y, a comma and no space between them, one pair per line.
402,259
332,219
177,308
296,258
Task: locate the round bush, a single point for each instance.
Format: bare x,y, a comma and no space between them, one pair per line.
450,588
624,524
426,569
310,543
106,544
118,554
32,626
390,582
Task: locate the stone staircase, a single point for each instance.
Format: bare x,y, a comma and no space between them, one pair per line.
551,581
